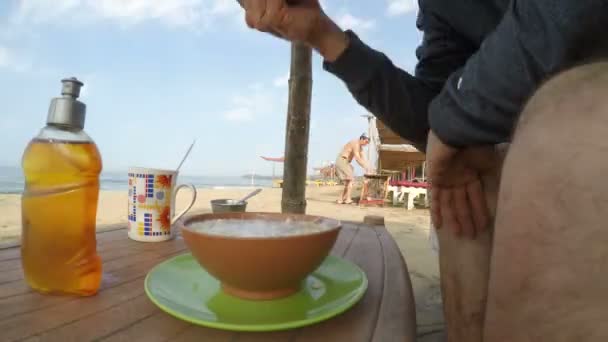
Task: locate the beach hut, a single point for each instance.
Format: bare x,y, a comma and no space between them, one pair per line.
403,162
394,152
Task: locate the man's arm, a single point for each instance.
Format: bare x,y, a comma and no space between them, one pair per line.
535,39
395,97
359,157
398,99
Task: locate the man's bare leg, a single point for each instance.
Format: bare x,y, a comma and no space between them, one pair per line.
464,268
341,199
345,196
549,269
348,189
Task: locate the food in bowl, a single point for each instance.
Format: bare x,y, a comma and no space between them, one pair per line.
259,256
258,228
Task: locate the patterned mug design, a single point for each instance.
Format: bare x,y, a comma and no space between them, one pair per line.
151,205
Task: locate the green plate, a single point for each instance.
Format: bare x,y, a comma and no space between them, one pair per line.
182,288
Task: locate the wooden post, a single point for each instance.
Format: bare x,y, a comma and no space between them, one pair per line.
297,130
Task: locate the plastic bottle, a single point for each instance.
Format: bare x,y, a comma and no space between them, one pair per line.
61,166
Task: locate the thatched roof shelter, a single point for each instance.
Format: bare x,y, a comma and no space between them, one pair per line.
394,152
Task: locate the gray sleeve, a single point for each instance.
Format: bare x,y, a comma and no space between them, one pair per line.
397,98
480,103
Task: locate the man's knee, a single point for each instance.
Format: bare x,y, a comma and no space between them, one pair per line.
560,142
575,98
566,117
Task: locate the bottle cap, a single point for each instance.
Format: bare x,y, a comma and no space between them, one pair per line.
67,110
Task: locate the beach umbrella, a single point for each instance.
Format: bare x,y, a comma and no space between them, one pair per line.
273,160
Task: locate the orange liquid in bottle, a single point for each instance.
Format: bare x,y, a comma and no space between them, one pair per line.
59,209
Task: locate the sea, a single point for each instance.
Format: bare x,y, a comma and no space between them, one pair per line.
11,181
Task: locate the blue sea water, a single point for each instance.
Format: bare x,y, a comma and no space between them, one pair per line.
11,181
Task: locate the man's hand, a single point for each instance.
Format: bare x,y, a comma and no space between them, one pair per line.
301,20
457,197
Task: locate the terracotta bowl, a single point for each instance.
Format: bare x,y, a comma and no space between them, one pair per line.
260,268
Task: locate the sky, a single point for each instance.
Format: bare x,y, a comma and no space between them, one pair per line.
159,74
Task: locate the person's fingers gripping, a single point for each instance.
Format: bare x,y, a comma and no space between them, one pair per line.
462,209
254,11
479,207
271,17
448,212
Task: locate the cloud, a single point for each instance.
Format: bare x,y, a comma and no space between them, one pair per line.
348,21
400,7
225,7
11,124
281,81
10,61
88,79
5,57
255,101
173,13
239,114
42,10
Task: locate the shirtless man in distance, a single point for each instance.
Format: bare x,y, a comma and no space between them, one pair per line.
345,171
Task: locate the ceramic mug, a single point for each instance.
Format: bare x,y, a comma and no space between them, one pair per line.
152,194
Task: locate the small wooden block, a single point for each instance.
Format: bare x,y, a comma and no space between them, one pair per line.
371,203
374,220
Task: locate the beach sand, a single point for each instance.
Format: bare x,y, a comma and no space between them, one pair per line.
409,228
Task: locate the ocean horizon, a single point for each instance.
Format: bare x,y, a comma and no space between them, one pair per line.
12,182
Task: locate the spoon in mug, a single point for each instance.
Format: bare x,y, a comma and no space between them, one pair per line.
251,194
186,156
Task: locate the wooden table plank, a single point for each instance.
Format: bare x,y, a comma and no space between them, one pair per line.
357,323
102,323
12,275
122,311
203,334
13,289
40,321
126,282
116,272
19,287
115,253
10,254
156,327
397,287
8,265
112,247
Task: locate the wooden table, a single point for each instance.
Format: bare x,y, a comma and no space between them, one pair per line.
122,312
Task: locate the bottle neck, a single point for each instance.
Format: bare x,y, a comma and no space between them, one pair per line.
57,132
63,127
